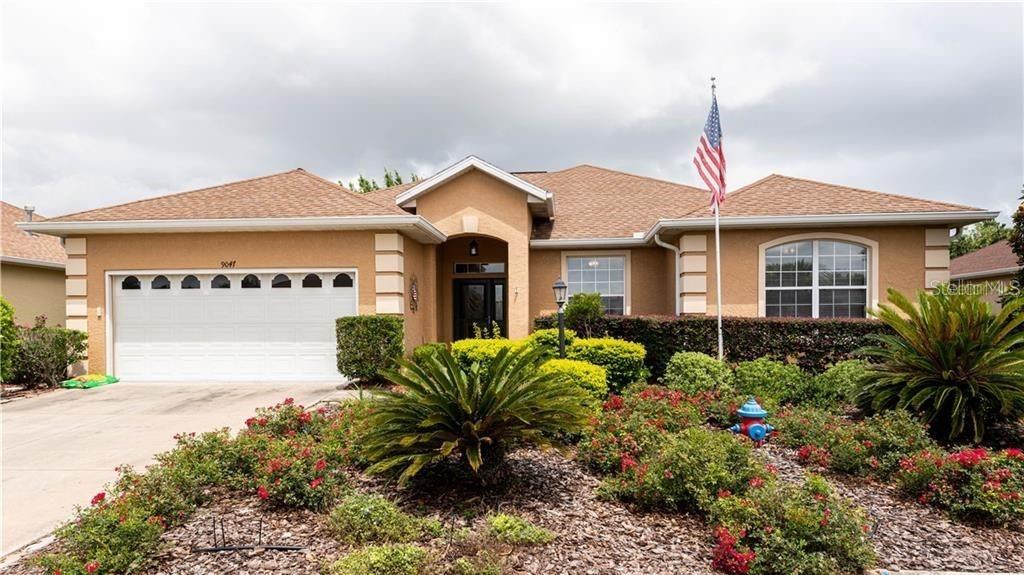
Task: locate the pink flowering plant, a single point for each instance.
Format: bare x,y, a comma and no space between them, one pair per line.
295,472
971,483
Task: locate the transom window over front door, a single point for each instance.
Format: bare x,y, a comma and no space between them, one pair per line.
816,278
602,274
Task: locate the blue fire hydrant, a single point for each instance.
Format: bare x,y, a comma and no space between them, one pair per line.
752,422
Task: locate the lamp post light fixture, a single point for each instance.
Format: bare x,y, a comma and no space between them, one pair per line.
560,290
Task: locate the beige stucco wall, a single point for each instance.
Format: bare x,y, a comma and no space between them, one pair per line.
476,203
33,292
650,279
207,251
901,260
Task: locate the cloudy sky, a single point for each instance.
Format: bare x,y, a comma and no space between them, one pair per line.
109,103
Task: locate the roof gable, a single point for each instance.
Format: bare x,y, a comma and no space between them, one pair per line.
534,193
995,259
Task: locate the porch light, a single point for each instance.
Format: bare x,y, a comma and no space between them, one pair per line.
560,290
474,248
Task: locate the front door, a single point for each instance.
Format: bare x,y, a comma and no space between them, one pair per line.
479,303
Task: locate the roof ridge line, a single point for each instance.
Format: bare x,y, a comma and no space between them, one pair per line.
176,194
630,174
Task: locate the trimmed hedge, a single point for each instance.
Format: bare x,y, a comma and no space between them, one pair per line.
421,352
693,372
482,351
624,360
589,377
10,344
369,344
548,339
814,344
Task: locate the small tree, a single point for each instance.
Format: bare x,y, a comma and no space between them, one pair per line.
391,178
10,343
980,235
583,311
1017,244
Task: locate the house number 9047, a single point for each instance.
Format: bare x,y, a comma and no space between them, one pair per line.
229,264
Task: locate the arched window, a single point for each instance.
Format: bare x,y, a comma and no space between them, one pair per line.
160,282
190,282
281,281
220,281
250,281
816,278
312,281
342,280
131,282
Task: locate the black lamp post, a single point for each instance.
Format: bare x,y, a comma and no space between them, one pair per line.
560,290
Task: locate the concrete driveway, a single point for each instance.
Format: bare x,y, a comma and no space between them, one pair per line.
61,447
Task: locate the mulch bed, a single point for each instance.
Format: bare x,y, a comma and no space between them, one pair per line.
911,536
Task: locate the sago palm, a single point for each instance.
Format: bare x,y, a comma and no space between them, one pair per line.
442,411
949,359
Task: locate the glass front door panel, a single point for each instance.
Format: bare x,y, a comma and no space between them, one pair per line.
479,305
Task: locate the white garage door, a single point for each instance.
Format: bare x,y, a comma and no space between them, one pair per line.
231,325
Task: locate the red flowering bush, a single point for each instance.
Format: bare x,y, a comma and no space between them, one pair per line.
874,446
631,426
974,484
780,529
688,471
287,419
294,472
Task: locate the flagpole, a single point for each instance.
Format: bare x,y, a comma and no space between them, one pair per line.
718,264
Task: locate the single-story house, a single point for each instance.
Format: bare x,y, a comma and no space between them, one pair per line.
989,272
244,280
31,269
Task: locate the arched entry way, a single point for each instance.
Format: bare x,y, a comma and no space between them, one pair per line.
473,272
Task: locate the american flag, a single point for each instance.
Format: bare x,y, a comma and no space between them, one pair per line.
710,157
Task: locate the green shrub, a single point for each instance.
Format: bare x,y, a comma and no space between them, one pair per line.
813,344
480,564
970,484
631,427
422,352
369,344
782,529
950,360
360,518
480,351
584,311
693,372
836,386
443,410
688,472
624,360
9,341
344,434
381,560
295,472
874,446
46,353
547,339
591,378
517,531
770,381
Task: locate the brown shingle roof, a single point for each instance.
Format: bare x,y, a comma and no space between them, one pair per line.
592,202
778,195
998,256
296,193
17,243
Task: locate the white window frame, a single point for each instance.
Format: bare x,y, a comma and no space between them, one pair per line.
872,268
627,303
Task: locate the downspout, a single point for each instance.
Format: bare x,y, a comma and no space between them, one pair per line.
674,250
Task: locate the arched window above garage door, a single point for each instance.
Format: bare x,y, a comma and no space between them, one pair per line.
160,282
190,282
281,281
312,281
250,281
220,281
131,282
342,280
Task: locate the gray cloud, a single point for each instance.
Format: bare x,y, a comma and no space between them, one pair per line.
109,103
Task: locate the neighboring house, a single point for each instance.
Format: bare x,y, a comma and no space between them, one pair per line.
989,272
31,269
243,280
